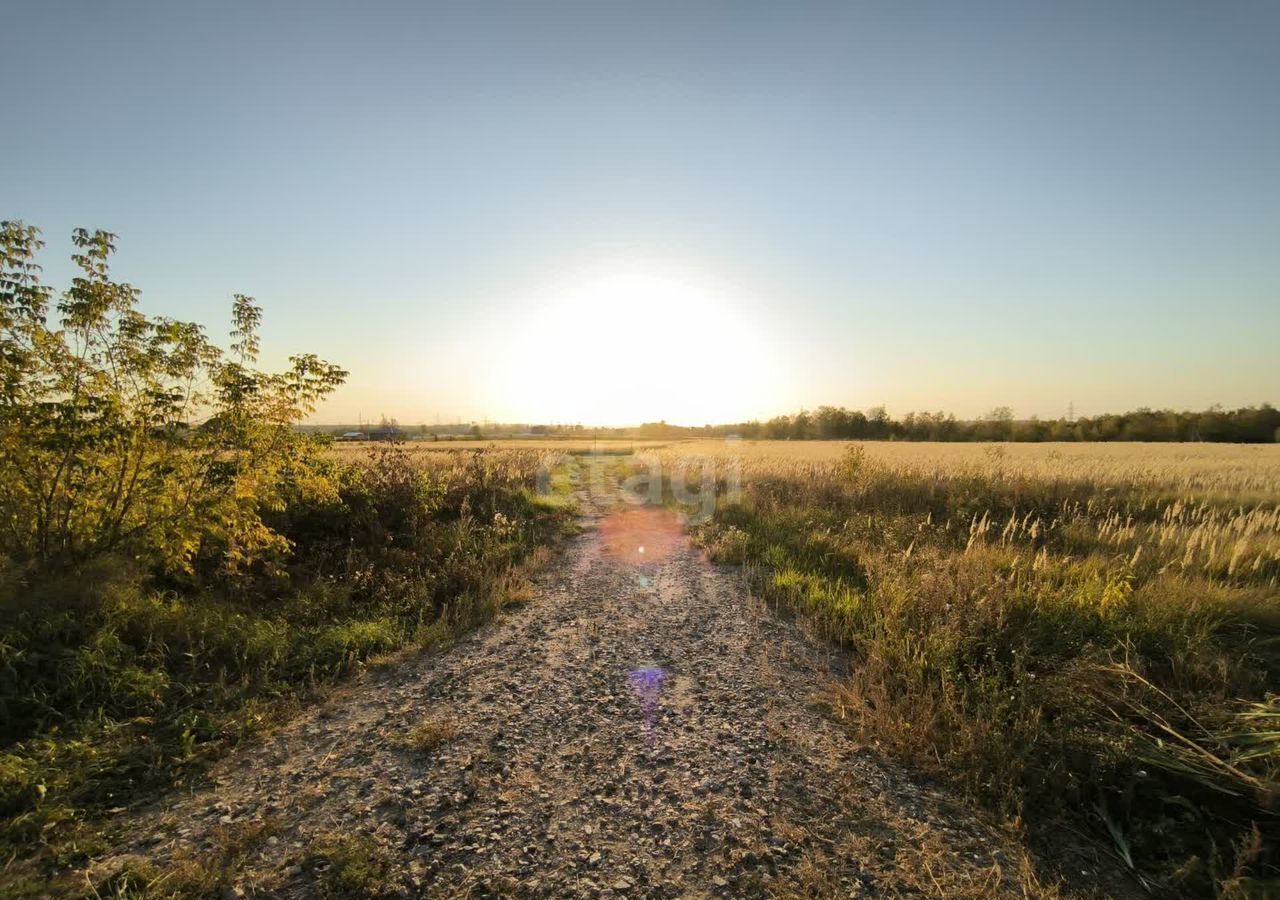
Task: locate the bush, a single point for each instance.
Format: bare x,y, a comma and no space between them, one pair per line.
137,436
178,560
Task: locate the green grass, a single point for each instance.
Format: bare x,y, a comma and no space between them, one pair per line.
557,493
1038,645
348,868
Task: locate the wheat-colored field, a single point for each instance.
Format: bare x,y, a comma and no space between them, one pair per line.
1251,471
1213,508
1248,472
358,449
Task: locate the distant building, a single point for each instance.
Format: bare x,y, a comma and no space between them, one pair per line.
353,436
389,433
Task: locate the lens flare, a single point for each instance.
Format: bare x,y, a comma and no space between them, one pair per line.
646,682
643,536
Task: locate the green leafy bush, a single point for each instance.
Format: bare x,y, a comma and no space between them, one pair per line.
134,435
177,565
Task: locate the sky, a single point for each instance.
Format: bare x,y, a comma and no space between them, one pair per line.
617,212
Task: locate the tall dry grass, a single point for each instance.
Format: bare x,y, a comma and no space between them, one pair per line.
1084,634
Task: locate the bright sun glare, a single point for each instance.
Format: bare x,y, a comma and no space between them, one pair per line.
627,346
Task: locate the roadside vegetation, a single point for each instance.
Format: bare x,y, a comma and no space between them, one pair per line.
1089,648
179,567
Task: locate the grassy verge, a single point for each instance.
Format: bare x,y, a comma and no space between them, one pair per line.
1079,652
115,685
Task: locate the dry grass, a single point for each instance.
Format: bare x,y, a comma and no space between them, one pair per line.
209,872
360,449
346,867
925,865
433,733
1217,468
1212,508
1079,631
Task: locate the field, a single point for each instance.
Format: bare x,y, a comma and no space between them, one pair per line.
1192,468
1078,634
1237,469
1082,638
356,449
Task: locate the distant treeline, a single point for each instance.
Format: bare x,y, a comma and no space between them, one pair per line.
1249,425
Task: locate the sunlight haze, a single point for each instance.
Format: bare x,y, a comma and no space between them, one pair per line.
640,449
627,343
927,206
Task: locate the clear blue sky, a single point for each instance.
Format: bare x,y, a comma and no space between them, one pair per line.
926,205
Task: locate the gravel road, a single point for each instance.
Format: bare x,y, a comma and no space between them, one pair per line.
642,727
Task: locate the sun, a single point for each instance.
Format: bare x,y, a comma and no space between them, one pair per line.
630,345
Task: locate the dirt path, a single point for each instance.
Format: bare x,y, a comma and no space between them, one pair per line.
641,727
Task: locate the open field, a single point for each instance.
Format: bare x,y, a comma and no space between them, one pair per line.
1252,470
684,451
1078,636
1085,636
1081,637
1245,470
346,449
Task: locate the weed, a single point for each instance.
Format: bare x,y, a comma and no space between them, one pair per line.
433,733
349,867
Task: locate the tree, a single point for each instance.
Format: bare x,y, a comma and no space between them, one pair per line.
832,423
134,435
878,422
801,426
997,425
